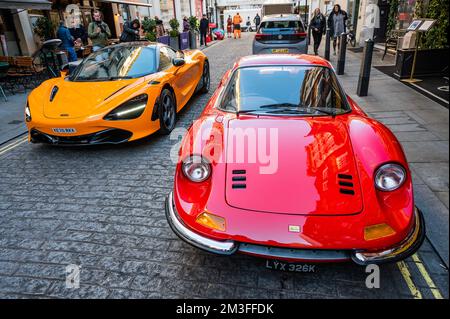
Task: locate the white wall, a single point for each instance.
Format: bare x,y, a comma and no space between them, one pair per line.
24,32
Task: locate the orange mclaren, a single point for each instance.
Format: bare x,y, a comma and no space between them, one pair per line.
120,93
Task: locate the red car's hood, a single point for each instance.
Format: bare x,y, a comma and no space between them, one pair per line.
308,169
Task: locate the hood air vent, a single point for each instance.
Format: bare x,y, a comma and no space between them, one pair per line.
53,93
346,184
239,177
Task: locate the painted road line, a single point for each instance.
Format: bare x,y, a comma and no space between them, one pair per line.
427,277
407,277
13,145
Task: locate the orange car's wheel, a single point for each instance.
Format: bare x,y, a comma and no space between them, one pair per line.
167,111
206,79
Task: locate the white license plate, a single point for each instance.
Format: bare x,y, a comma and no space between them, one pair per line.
64,130
291,267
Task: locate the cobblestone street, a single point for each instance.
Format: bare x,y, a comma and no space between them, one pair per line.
102,208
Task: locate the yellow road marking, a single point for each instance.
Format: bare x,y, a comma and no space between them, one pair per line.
407,276
12,145
426,276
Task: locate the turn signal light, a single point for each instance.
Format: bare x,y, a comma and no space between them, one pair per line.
211,221
378,231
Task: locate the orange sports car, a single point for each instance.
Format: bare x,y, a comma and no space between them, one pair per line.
120,93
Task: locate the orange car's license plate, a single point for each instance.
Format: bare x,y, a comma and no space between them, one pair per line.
280,50
64,130
291,267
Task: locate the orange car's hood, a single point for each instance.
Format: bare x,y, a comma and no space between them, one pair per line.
79,99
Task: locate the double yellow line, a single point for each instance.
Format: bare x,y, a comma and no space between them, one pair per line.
13,145
404,269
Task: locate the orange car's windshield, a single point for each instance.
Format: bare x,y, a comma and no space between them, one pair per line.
117,62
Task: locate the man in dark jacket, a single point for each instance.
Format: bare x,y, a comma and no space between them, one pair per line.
257,21
204,25
67,41
130,31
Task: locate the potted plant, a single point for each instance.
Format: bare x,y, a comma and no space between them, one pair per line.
174,33
193,31
149,27
44,28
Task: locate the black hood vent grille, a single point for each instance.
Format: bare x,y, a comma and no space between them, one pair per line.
53,93
346,184
238,178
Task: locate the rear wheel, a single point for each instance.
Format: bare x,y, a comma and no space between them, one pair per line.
167,111
206,79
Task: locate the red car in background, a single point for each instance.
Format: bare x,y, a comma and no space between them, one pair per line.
282,164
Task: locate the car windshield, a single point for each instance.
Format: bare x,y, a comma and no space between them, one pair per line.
117,62
292,89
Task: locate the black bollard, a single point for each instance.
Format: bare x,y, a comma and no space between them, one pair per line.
327,45
342,51
364,72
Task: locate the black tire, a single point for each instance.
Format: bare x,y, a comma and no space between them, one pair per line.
167,112
206,78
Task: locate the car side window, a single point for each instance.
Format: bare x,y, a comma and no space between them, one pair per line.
166,55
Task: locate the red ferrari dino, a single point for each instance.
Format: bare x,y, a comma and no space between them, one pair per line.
282,164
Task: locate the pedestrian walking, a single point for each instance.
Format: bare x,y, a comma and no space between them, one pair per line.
318,28
257,21
98,32
336,24
229,26
204,25
237,20
160,31
130,31
67,41
248,24
186,26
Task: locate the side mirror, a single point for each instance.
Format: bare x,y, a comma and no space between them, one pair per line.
178,61
65,70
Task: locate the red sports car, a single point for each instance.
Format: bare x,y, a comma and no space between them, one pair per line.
282,164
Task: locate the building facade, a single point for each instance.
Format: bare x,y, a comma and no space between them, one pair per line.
18,17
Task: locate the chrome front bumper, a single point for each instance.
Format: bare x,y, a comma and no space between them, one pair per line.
401,251
179,228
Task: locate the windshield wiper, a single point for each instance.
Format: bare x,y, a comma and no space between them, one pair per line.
278,105
329,112
112,78
299,106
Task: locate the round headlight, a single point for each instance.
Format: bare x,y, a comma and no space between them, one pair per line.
389,177
196,168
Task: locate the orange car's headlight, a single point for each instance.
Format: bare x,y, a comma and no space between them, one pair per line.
129,110
27,113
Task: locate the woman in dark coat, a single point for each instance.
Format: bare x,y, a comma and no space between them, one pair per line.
318,28
130,31
336,24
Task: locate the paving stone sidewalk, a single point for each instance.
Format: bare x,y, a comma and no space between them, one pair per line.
422,126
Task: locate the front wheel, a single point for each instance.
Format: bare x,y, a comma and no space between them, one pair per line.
206,79
167,112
